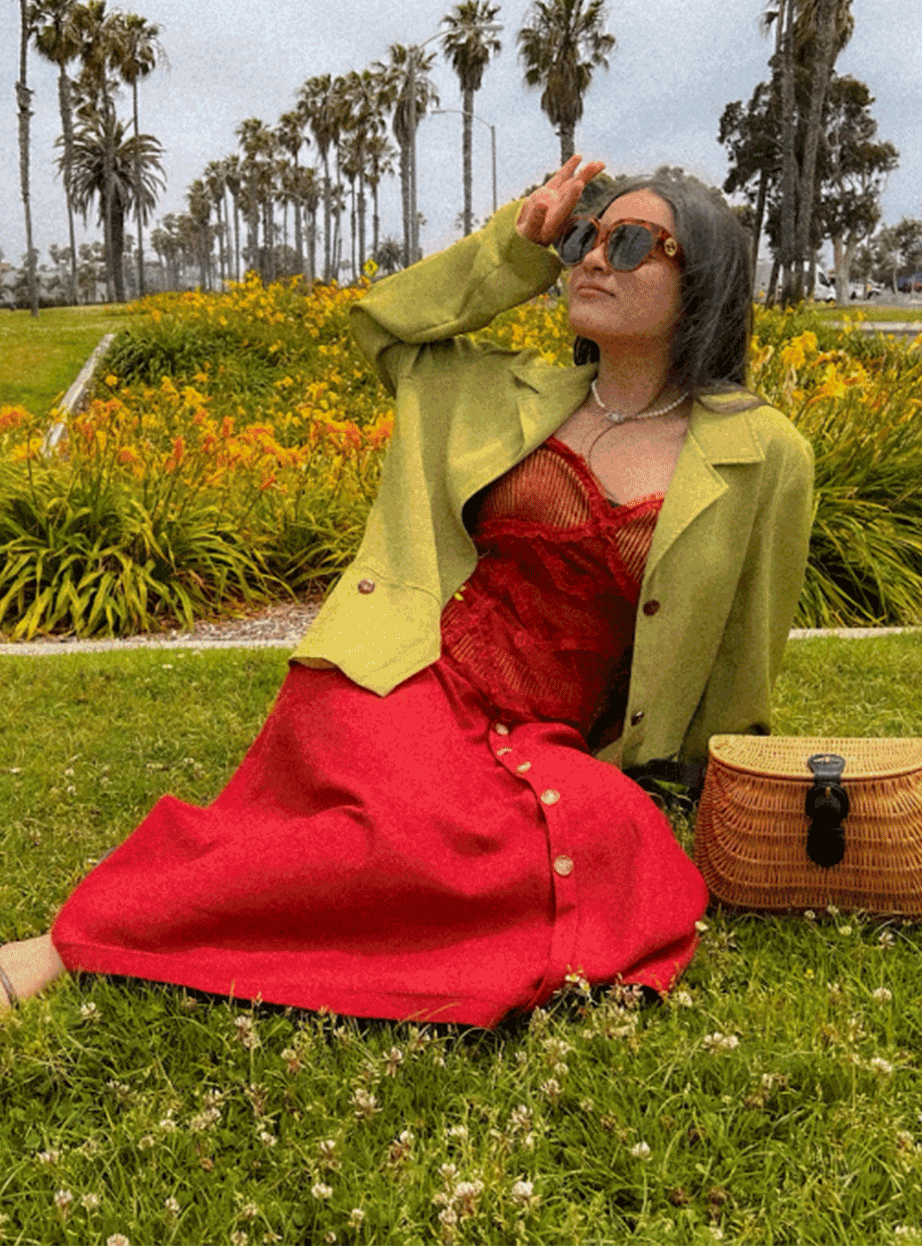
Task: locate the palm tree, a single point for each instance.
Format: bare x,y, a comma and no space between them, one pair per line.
362,103
215,182
136,52
24,102
559,50
290,136
469,44
100,34
57,39
230,166
104,163
406,66
317,104
380,155
258,176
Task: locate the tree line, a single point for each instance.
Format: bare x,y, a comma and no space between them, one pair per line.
802,152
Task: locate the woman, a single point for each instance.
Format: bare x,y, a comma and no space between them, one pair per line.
560,560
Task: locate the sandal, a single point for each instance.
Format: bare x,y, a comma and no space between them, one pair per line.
9,988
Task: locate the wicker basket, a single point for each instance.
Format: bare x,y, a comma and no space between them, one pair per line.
752,828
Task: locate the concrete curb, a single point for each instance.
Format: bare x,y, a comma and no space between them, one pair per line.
28,649
75,397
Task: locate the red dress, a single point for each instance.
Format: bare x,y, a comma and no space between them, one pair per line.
448,852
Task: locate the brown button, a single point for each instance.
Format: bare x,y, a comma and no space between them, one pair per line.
366,586
549,797
563,866
650,607
635,718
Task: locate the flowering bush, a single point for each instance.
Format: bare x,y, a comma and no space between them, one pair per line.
234,446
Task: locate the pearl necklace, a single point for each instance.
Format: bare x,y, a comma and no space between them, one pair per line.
617,417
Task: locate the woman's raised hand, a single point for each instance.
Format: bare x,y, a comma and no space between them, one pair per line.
544,213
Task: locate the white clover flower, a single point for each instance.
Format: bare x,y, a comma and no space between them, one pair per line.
146,1143
266,1138
641,1151
448,1171
90,1201
882,995
246,1031
905,1141
879,1065
551,1088
48,1157
556,1048
356,1216
172,1206
88,1010
809,915
322,1191
365,1103
720,1042
239,1238
167,1125
701,927
522,1192
457,1131
886,939
832,910
117,1239
392,1061
845,930
448,1216
63,1199
683,1000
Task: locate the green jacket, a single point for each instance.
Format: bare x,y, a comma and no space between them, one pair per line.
727,561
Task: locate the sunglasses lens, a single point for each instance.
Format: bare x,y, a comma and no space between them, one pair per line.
628,246
576,241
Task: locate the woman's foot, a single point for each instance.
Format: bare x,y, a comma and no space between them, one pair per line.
30,965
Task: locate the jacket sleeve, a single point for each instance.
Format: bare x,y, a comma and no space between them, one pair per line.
455,291
737,697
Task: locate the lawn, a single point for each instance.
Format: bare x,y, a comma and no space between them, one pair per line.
40,358
775,1100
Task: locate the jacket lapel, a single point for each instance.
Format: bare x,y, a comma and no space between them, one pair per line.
714,438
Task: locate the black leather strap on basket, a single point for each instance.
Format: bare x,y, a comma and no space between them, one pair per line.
652,775
827,807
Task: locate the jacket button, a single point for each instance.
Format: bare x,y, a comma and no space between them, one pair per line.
366,586
635,718
650,607
563,866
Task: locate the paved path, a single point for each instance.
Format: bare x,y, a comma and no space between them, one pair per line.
180,640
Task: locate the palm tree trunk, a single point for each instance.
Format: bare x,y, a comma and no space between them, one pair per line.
466,144
24,100
137,187
567,142
788,155
67,129
327,240
405,196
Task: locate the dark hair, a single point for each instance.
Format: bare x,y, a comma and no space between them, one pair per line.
710,348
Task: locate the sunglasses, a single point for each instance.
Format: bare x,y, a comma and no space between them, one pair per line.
627,242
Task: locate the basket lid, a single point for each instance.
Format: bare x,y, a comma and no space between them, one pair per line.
786,756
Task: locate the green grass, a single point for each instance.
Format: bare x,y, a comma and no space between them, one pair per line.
777,1100
40,358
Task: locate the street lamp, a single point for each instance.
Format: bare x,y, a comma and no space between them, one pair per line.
492,128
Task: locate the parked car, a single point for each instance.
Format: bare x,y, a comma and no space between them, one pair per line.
825,289
910,285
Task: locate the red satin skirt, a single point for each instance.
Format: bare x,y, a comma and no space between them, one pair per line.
409,857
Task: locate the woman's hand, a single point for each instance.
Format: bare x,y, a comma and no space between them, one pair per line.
545,212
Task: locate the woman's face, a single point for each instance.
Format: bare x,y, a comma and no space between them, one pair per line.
608,306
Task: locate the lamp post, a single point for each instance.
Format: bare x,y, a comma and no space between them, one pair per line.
411,82
492,128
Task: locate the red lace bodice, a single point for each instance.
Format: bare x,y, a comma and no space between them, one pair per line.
545,625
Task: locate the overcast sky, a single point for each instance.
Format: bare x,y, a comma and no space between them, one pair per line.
676,66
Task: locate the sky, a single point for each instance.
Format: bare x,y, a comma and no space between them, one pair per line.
676,66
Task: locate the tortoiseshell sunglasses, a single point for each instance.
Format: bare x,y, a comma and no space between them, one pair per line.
627,242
